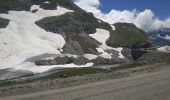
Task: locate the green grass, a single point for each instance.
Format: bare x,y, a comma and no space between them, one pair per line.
127,34
167,61
127,66
75,72
61,74
72,72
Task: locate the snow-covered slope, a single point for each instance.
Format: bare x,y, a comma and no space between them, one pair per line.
23,39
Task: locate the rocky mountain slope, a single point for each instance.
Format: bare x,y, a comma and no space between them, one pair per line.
39,35
160,37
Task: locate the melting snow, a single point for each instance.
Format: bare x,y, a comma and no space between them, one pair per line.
101,36
164,49
99,21
46,2
113,27
23,39
167,37
90,56
40,69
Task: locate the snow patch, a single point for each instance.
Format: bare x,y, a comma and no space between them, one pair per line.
99,21
103,53
23,39
119,49
40,69
46,2
90,56
53,56
164,49
101,36
113,27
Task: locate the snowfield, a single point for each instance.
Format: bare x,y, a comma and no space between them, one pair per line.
23,39
90,56
164,49
101,36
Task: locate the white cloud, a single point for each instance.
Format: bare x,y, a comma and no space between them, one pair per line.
89,5
145,20
167,22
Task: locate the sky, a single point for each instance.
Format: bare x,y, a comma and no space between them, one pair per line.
148,15
161,8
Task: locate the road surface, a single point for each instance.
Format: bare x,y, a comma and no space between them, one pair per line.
149,86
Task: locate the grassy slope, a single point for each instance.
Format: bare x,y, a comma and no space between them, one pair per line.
66,73
127,34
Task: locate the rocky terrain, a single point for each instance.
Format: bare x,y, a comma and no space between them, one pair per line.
37,36
160,37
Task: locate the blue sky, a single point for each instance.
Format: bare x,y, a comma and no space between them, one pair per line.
148,15
161,8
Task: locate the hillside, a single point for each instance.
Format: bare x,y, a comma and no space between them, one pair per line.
126,35
39,35
20,5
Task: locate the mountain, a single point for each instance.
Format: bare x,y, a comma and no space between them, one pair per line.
39,35
127,34
160,37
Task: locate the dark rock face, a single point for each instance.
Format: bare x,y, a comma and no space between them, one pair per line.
48,6
73,47
127,53
104,61
62,61
75,27
72,23
17,5
141,45
88,44
80,61
25,5
146,56
3,23
151,57
136,54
